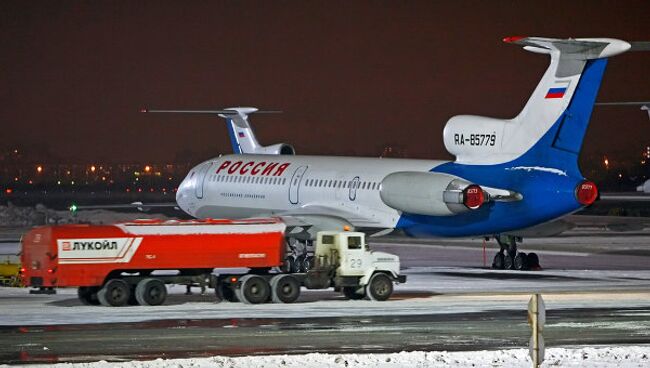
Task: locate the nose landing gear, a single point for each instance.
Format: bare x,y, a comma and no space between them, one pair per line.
508,258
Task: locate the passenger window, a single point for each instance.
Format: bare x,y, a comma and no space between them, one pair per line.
354,242
327,239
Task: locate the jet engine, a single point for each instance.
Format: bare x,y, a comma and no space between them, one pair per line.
433,194
276,149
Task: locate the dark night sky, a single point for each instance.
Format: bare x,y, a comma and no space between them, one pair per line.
350,77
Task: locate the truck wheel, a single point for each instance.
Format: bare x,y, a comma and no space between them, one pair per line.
225,292
351,292
88,295
379,288
284,289
151,292
253,290
115,293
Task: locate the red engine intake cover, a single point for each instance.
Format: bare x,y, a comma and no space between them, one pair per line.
586,193
473,197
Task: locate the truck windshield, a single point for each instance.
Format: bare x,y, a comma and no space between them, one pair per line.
354,242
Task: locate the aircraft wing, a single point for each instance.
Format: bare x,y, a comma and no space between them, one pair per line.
308,220
612,223
135,205
625,197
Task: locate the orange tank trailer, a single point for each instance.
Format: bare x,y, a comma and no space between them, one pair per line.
86,255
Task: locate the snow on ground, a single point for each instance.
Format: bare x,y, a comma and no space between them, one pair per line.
420,295
617,356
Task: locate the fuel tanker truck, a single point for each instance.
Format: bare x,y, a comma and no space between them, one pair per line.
132,262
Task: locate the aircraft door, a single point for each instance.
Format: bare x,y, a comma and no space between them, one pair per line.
294,184
200,179
354,184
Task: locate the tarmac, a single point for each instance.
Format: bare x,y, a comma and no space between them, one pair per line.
596,285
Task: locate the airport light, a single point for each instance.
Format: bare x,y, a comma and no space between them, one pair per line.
147,168
73,208
9,191
606,162
93,168
39,169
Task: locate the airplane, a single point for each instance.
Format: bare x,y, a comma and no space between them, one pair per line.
509,175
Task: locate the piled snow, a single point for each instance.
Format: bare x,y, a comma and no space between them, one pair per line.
13,216
620,357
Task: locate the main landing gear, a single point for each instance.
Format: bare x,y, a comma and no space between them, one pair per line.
508,258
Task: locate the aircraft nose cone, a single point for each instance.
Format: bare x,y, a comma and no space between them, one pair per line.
183,193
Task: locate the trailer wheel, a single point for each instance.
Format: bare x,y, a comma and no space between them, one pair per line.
352,292
284,289
115,293
151,292
253,290
225,292
379,288
88,295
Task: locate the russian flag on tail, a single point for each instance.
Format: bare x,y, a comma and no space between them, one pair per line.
558,90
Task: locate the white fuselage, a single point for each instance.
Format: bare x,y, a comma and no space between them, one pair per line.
237,186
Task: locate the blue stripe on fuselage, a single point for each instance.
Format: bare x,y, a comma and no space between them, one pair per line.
547,194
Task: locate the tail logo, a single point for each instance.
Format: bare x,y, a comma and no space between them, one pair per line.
558,90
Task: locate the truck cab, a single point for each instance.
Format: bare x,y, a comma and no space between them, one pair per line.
356,270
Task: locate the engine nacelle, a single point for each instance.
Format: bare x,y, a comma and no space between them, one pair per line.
276,149
432,194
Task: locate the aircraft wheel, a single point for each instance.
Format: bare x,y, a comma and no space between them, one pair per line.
354,292
379,288
88,295
307,263
533,261
497,262
151,292
253,290
298,264
287,265
115,293
521,262
284,289
508,262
